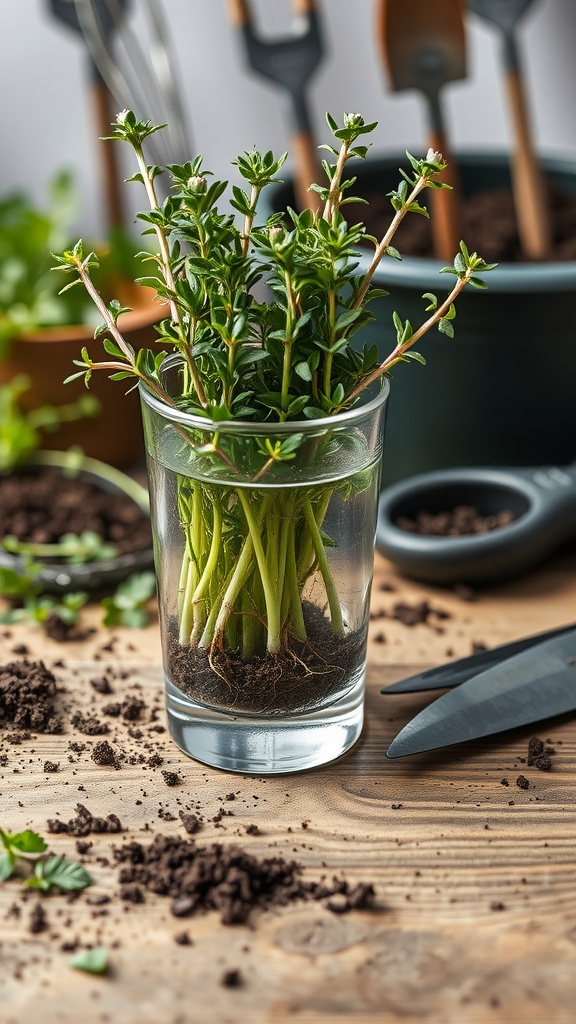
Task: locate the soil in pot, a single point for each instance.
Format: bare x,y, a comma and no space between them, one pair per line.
490,226
299,679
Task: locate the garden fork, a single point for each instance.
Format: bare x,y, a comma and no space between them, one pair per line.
289,62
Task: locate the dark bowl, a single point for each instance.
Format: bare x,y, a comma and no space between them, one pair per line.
58,578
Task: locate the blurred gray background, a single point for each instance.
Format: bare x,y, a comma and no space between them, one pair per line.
46,114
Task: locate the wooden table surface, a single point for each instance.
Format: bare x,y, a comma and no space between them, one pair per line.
476,891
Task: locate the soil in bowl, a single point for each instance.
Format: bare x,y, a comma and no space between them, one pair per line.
41,507
459,521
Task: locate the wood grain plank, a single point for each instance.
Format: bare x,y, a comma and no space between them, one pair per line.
476,907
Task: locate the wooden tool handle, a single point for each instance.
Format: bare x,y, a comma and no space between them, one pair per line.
238,12
529,195
306,171
303,6
107,152
446,205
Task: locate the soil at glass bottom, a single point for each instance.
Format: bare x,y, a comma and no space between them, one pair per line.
41,507
299,679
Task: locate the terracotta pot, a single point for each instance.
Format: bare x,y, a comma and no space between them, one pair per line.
46,357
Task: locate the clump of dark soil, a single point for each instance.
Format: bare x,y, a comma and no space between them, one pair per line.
84,824
27,696
89,725
41,507
459,521
222,878
129,709
171,778
489,225
104,754
297,679
232,978
57,629
418,613
539,755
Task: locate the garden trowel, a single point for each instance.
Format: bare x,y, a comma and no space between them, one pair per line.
423,45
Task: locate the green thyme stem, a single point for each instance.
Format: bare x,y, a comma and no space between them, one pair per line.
292,602
249,219
212,560
332,336
307,555
382,246
273,642
331,592
220,611
399,351
167,268
288,341
333,201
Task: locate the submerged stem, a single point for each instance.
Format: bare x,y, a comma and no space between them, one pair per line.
331,592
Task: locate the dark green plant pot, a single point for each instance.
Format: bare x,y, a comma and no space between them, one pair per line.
503,392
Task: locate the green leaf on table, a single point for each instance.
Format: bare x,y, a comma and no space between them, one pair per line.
59,871
127,607
7,865
95,961
23,843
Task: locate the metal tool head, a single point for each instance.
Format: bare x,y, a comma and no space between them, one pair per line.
289,61
135,63
536,684
67,11
455,673
503,13
423,44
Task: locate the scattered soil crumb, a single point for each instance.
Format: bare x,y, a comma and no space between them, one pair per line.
522,782
89,725
101,685
85,823
129,709
38,921
191,822
232,978
417,614
171,778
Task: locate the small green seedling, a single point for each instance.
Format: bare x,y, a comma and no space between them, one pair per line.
127,607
